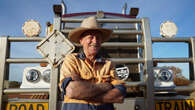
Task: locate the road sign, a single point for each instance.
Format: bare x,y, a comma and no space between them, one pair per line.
55,47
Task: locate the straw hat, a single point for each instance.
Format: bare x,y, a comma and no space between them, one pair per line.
87,24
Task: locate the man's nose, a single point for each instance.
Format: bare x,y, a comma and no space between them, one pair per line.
94,39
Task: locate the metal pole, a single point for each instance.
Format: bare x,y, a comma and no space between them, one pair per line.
53,92
119,44
114,31
3,54
179,39
148,65
104,20
139,53
26,60
178,88
26,90
25,39
127,60
54,76
171,60
192,55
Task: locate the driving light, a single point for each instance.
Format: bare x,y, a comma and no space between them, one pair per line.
46,75
168,29
165,75
33,75
31,28
36,77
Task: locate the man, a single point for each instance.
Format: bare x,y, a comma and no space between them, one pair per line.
87,79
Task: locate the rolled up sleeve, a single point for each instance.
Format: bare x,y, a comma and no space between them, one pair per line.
118,84
68,70
65,84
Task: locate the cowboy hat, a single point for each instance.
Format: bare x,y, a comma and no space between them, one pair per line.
88,24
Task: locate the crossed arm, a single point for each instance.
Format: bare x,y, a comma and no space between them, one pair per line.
101,92
82,89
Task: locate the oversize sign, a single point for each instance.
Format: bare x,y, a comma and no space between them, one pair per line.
174,105
26,106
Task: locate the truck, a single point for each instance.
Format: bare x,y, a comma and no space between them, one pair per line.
149,87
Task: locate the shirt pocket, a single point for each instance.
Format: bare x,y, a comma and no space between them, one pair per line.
87,75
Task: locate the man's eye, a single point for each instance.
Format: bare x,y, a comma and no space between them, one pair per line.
91,33
90,37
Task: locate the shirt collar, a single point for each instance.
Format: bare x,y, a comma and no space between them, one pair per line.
98,57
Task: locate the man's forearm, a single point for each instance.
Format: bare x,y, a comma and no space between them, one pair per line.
112,96
86,90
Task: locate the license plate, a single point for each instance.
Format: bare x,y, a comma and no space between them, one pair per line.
26,106
174,105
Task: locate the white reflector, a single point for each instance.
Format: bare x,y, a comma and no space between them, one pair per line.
168,29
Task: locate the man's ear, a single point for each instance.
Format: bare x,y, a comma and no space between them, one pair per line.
80,41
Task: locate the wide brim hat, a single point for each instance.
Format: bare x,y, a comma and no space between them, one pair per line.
88,24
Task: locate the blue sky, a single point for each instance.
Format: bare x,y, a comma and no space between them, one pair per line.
15,12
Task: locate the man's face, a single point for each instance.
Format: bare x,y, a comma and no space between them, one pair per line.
91,42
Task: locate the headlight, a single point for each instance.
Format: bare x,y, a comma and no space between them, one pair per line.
165,75
46,75
32,75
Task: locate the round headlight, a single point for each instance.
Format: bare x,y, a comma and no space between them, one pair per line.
165,75
155,75
32,75
46,75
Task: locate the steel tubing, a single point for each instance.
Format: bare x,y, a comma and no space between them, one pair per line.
166,60
26,90
179,39
127,60
26,60
104,20
25,39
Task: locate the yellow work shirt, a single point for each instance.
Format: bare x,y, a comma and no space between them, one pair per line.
75,65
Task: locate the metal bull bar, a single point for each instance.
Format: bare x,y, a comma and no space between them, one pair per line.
5,60
190,59
147,59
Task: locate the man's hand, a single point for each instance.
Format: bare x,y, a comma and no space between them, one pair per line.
112,96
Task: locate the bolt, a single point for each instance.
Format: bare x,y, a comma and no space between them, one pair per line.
63,56
46,55
56,35
137,107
